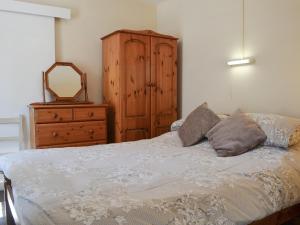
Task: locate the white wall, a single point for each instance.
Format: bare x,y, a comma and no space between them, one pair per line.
169,17
27,46
211,34
78,39
31,44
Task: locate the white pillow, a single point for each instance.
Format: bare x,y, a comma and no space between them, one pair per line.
281,131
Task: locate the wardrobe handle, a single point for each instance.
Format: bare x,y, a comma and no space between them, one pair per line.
54,134
151,84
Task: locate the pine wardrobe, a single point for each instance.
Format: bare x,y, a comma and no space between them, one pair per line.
139,83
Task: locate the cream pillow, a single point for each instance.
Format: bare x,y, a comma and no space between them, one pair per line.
281,131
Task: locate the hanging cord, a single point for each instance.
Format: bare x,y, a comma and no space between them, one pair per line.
243,35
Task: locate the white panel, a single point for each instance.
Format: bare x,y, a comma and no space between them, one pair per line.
27,48
35,9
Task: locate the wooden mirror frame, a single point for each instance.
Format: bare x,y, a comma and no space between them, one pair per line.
59,99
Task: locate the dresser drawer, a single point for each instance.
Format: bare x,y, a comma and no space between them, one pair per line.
53,115
67,133
83,114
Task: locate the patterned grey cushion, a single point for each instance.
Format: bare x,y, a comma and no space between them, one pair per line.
281,131
235,135
177,124
197,124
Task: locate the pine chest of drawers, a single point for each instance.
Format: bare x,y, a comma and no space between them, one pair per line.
67,125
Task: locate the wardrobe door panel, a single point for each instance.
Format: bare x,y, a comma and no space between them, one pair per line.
164,84
135,79
135,134
111,85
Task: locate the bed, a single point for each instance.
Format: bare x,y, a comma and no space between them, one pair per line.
152,182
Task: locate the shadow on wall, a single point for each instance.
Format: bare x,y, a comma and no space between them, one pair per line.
179,77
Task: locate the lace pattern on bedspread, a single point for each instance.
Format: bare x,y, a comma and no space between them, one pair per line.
182,185
202,209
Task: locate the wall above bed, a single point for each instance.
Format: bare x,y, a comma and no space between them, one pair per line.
210,33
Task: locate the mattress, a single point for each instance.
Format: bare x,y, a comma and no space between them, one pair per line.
151,182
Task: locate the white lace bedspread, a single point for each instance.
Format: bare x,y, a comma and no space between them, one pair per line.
151,182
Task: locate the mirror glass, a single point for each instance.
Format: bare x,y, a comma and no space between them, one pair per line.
64,81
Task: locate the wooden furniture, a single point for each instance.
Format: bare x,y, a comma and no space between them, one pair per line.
67,125
139,83
65,82
281,217
10,210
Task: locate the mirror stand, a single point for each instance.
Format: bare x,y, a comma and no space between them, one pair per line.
65,83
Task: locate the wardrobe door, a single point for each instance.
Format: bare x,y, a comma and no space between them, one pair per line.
135,80
164,85
111,85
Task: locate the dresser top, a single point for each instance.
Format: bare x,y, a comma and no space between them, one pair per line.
57,106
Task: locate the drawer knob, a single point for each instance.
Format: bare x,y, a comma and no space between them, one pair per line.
91,131
91,114
54,134
55,115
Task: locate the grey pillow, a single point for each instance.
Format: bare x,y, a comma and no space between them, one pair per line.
236,135
196,125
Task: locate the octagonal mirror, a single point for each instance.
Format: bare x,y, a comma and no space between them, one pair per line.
64,81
